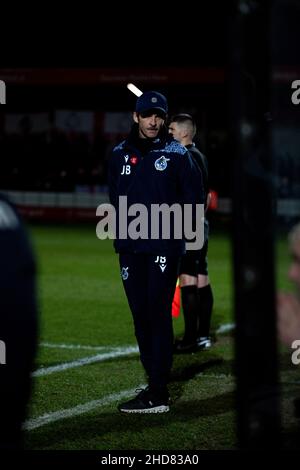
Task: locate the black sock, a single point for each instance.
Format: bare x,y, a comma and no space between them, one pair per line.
159,390
189,298
206,301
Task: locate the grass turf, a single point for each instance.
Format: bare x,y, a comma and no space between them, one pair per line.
82,302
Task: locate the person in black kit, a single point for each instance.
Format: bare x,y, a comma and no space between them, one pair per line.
18,325
196,292
149,168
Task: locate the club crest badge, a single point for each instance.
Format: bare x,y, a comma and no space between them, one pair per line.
161,163
124,273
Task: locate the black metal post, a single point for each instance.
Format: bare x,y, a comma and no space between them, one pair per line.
253,214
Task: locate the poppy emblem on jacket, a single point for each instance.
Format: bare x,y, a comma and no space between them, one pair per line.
161,163
133,160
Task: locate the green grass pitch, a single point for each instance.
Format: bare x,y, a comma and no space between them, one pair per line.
83,316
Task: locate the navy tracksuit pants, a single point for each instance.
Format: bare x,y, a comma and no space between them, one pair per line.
149,282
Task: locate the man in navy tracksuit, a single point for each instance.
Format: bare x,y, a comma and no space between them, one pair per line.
150,168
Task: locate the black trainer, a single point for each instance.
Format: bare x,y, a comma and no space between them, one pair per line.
203,342
146,402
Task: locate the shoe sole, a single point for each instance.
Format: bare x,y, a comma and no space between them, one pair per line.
156,409
202,347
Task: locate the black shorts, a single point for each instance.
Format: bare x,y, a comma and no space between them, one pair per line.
194,262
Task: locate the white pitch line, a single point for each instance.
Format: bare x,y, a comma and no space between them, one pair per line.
48,418
85,360
214,376
222,329
226,328
78,346
116,352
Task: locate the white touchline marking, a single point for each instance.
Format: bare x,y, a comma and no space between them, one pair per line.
85,360
214,376
79,346
76,410
225,328
116,352
222,329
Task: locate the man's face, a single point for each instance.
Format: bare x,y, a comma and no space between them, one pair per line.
176,131
294,269
149,123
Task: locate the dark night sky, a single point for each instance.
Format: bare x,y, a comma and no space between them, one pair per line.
119,36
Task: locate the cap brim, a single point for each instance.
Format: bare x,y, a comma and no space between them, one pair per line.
153,110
